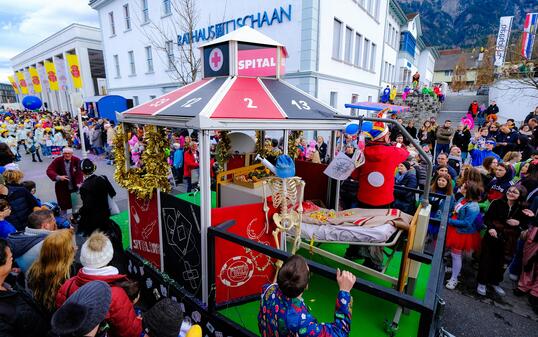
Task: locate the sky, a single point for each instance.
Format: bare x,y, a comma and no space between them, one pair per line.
23,23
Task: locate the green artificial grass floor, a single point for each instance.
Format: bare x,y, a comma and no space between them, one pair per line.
369,312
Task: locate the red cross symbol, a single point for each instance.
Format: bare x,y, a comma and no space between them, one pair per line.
216,59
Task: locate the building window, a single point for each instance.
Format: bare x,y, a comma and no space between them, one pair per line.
149,59
369,98
366,54
135,101
117,65
387,39
170,54
132,62
354,99
358,49
334,99
376,9
112,25
369,6
127,17
167,7
337,38
145,10
448,72
349,45
372,58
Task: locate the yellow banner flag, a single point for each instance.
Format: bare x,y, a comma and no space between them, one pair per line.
22,83
13,84
74,70
35,79
50,69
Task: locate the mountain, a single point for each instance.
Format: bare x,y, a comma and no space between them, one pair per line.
466,23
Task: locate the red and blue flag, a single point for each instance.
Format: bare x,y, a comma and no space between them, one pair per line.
529,34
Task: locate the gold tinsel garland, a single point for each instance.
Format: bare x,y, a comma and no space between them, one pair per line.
222,151
292,148
154,173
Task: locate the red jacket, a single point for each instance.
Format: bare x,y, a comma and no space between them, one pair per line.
189,163
376,176
121,315
57,168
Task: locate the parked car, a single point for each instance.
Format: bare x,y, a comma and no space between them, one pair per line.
483,90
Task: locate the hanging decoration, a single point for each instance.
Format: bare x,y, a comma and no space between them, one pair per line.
292,147
222,151
153,174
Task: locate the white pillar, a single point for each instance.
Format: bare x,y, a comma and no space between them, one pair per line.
205,206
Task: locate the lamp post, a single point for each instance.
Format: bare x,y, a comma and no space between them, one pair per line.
77,101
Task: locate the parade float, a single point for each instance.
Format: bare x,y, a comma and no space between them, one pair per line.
213,250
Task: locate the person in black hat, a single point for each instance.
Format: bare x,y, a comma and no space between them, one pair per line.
94,192
165,319
83,312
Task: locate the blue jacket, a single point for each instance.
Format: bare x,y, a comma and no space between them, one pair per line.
289,317
478,156
6,228
405,200
22,203
178,158
465,218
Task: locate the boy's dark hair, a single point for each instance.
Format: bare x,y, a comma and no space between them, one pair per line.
29,185
293,276
37,218
3,255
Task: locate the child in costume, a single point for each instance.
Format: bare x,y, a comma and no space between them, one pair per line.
283,311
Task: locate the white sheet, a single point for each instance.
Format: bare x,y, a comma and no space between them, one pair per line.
342,233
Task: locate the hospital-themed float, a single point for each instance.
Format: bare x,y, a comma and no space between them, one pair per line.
212,250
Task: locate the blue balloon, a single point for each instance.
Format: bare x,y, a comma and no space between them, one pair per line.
352,129
32,102
367,126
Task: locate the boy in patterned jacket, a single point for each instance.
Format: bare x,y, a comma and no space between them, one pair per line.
283,312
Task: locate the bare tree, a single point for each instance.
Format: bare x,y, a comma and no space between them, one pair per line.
485,72
459,79
518,69
163,36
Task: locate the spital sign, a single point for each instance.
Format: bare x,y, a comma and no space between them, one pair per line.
277,15
258,62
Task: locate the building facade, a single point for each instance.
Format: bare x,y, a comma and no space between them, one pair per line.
449,58
83,41
336,51
7,94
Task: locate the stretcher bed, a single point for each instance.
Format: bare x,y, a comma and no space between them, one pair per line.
386,235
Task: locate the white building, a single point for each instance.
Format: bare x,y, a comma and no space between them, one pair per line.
405,51
85,42
334,48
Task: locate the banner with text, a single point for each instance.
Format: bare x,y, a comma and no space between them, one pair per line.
145,230
502,39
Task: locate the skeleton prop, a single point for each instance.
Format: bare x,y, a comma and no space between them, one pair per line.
285,192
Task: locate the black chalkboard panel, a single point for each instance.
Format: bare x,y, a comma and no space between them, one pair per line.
182,243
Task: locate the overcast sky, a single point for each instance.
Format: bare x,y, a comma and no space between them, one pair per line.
23,23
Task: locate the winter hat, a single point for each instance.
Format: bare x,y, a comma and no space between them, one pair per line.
87,166
491,141
285,167
83,310
97,251
164,319
407,165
